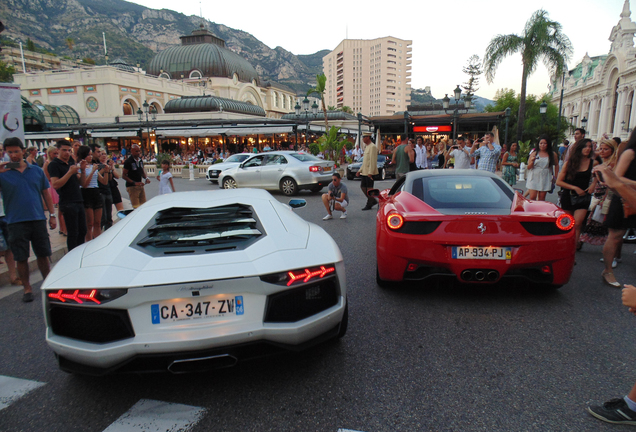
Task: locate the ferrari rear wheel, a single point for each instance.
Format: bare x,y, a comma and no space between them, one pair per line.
344,323
381,282
229,183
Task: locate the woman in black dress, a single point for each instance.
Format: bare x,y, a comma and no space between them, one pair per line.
574,180
615,221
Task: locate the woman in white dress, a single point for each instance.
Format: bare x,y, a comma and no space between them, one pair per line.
543,163
166,185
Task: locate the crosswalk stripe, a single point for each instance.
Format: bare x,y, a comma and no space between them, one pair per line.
12,389
155,416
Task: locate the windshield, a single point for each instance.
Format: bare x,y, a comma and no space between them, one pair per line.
464,194
237,158
305,157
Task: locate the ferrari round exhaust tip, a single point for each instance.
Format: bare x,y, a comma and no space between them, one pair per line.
467,275
480,275
493,275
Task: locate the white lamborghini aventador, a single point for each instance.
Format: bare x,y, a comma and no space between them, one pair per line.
195,281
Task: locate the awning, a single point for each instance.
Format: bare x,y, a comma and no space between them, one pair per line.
191,132
260,130
46,135
114,134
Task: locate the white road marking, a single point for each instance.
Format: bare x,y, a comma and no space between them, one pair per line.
155,416
8,290
347,430
12,389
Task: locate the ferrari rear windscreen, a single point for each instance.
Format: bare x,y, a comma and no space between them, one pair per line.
464,194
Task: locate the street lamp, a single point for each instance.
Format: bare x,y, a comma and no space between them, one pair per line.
584,123
507,118
300,114
148,109
446,105
543,109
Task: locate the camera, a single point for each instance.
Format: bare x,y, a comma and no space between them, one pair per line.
12,165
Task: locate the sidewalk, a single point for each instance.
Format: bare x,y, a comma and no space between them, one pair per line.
58,250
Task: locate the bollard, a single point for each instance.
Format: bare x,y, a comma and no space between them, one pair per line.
191,172
522,172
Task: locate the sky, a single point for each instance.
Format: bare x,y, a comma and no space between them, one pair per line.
444,33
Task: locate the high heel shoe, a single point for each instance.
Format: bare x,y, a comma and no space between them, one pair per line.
607,278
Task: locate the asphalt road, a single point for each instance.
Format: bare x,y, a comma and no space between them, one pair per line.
415,358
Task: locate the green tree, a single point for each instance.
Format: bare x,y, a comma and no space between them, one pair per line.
473,70
542,39
30,46
321,86
534,124
331,143
6,72
346,109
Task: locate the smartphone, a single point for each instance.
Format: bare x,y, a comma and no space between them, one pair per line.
101,166
12,165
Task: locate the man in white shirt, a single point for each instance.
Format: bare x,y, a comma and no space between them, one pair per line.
460,154
357,153
421,156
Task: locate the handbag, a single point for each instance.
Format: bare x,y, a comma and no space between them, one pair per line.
628,210
577,200
598,215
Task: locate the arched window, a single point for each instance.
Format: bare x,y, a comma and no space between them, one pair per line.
196,74
164,75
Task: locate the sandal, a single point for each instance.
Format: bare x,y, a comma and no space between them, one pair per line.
608,278
16,281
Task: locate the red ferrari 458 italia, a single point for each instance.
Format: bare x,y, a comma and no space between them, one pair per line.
472,226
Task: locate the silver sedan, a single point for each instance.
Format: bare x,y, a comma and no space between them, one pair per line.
287,171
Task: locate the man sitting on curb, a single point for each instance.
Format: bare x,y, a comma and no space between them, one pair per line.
337,198
24,187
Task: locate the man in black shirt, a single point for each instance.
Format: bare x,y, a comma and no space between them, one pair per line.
66,178
133,172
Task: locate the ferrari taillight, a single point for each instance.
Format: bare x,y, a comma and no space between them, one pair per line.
85,296
395,221
565,222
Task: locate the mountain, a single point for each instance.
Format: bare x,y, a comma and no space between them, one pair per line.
136,33
424,97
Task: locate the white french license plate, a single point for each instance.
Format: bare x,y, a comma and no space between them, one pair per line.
201,309
482,252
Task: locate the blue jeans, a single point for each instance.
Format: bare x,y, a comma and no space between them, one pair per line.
75,219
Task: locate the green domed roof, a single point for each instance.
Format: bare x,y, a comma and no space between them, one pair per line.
210,59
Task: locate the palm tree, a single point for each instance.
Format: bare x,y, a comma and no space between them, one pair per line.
321,86
542,39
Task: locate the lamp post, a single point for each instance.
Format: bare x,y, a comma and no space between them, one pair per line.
446,105
148,109
507,119
543,109
305,115
584,124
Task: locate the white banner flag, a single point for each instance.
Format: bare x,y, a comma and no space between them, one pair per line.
11,112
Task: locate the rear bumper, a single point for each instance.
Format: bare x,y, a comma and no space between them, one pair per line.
200,360
431,256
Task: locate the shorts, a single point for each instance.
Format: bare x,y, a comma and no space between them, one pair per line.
92,198
4,235
366,182
343,204
33,232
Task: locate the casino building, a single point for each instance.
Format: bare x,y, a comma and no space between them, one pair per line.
598,93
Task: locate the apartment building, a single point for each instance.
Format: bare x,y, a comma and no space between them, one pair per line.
370,76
